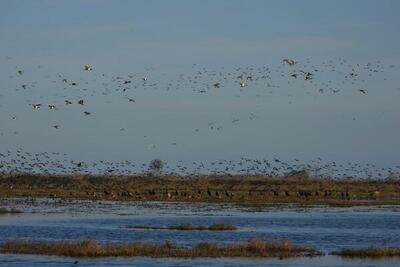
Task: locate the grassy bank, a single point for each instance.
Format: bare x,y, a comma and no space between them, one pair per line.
251,248
239,189
370,252
188,227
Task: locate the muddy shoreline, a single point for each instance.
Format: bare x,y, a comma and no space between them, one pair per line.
235,189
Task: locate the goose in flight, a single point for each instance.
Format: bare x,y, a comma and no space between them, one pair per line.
88,67
36,106
290,62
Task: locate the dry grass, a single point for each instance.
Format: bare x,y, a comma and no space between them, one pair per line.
250,248
370,252
9,211
222,227
188,227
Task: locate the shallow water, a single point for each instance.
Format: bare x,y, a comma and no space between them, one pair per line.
325,228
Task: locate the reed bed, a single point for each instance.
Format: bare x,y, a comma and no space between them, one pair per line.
370,252
188,227
89,248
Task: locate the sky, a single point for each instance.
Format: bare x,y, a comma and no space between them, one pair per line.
171,119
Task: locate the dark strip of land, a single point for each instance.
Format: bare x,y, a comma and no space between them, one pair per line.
370,252
250,248
236,189
9,211
188,227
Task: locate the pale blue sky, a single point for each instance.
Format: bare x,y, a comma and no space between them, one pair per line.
163,39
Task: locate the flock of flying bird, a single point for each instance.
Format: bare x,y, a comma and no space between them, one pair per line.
333,77
59,163
203,80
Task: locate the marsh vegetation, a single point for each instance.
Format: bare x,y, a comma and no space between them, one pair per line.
188,227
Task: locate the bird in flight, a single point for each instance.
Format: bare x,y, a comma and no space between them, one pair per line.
290,62
36,106
88,67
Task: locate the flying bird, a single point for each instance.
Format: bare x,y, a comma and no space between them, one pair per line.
88,67
36,106
290,62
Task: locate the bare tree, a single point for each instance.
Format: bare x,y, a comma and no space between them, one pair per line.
156,166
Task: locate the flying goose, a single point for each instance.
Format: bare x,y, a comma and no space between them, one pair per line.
88,67
36,106
290,62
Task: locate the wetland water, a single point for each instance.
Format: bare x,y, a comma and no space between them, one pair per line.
325,228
